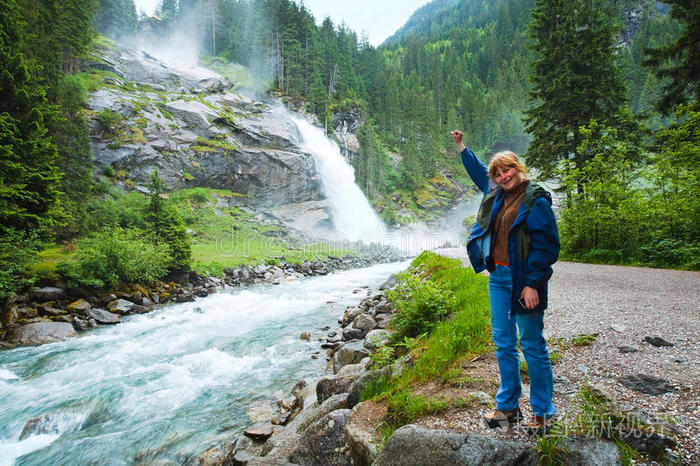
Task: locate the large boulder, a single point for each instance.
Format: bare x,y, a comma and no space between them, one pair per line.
417,446
104,317
313,414
39,333
48,293
359,434
586,451
350,353
324,443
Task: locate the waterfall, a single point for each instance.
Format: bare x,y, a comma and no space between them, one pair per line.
351,212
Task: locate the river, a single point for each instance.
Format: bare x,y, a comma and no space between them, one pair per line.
165,386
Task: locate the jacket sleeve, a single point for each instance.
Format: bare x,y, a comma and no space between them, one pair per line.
476,169
544,243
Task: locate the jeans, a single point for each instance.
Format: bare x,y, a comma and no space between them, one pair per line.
504,330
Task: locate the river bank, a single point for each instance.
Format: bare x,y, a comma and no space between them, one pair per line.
53,313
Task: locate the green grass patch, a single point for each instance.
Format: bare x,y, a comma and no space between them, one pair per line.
456,292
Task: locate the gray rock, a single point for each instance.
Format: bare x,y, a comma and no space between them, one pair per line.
104,317
352,370
376,339
358,385
361,443
391,282
411,445
48,293
121,306
48,311
624,349
586,451
310,416
212,457
350,314
79,307
42,332
658,342
260,431
350,334
364,322
324,442
329,386
44,424
648,384
482,397
383,320
350,353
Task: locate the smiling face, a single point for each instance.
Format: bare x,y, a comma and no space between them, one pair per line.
508,178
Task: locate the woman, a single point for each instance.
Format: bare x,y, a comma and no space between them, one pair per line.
515,237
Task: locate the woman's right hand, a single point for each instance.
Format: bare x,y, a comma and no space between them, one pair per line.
457,138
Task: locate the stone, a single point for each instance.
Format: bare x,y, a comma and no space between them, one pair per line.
121,306
44,424
260,431
587,451
306,336
361,442
309,416
383,321
364,322
48,293
212,457
42,332
483,398
411,445
80,324
350,334
618,327
323,442
648,384
358,385
625,349
350,353
48,311
330,386
351,312
376,338
390,283
658,342
79,307
260,412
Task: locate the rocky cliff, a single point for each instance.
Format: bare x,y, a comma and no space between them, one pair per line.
194,126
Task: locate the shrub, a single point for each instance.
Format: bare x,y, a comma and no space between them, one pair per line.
421,305
17,254
104,258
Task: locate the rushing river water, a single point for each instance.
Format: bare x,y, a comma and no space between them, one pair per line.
168,384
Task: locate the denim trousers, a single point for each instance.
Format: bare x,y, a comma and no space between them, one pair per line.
504,330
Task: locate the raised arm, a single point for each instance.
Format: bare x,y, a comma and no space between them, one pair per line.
475,167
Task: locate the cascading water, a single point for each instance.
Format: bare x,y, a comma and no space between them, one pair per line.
167,385
352,214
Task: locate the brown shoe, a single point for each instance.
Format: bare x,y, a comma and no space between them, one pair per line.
539,426
498,418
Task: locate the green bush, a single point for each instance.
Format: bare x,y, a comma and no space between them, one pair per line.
104,258
420,305
17,254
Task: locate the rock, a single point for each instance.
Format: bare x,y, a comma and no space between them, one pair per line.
48,293
358,385
351,312
350,353
121,306
313,414
280,445
260,412
48,311
305,392
649,443
648,384
260,431
361,442
376,339
587,451
618,327
624,349
352,370
483,398
383,320
658,342
79,307
390,283
80,324
324,442
411,445
44,424
350,334
212,457
330,386
306,336
42,332
364,322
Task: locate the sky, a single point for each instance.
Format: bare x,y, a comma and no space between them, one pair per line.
378,18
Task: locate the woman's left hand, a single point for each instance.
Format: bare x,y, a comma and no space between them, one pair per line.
530,296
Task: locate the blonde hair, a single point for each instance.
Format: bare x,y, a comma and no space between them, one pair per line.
506,159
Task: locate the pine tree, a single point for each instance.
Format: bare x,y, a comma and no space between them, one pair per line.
576,78
680,61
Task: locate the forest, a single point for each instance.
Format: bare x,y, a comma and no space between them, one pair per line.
599,96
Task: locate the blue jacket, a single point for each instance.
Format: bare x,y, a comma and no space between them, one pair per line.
533,240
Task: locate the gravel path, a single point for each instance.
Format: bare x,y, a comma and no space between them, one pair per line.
622,306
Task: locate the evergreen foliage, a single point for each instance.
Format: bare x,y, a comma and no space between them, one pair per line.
116,18
576,78
679,62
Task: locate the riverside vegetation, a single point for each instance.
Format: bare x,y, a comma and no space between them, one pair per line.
424,357
628,191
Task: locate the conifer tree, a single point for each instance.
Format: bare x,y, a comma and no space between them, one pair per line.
575,77
679,62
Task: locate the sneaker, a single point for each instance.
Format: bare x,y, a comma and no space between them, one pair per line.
539,426
498,418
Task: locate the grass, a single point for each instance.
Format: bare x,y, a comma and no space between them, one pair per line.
436,354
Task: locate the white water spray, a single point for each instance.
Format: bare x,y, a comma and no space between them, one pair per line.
352,214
